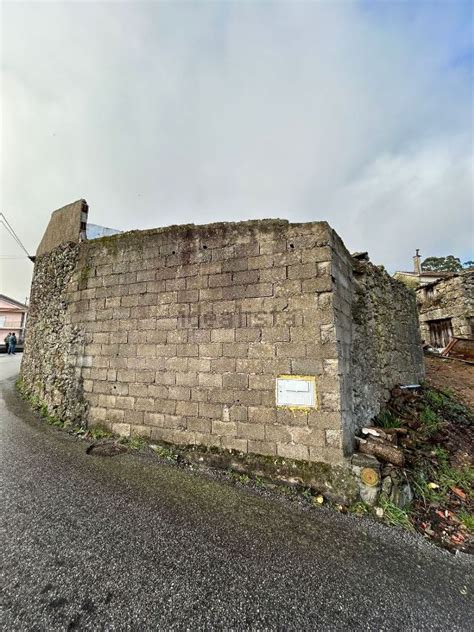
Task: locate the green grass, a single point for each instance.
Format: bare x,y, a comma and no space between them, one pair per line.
98,432
54,421
420,481
441,454
386,419
39,405
435,398
359,508
307,495
135,443
467,519
430,421
165,453
395,516
445,403
442,474
244,479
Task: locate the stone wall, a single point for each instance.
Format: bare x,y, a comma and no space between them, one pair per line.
386,345
448,298
378,340
186,329
52,341
178,334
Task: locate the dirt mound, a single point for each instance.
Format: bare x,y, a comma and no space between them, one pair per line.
451,374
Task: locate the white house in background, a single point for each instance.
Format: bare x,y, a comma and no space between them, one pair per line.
418,277
12,318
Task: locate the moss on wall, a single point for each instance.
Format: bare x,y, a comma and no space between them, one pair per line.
48,371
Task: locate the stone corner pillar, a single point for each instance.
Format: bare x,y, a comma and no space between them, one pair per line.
67,224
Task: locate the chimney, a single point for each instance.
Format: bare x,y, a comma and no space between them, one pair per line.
417,262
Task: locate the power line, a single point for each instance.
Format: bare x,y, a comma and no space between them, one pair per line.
9,231
13,233
12,257
6,223
9,228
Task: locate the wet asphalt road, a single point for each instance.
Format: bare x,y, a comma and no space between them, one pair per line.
127,543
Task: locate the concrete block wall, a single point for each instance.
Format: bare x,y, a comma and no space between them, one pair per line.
178,334
187,328
67,225
343,298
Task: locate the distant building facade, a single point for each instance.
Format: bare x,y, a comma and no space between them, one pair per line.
12,318
417,276
446,309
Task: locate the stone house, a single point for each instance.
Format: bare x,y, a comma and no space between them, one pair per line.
264,337
446,309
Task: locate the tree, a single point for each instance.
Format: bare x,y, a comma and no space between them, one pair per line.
442,264
468,265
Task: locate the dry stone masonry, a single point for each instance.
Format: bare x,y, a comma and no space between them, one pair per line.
197,334
447,304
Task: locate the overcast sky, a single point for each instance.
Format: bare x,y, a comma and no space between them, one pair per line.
358,113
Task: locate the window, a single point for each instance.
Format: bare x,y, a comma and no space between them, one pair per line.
2,321
441,332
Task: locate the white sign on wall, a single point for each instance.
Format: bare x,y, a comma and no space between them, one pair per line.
296,391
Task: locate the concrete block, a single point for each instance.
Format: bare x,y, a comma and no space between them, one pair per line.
262,447
224,429
250,430
123,430
212,411
292,451
235,380
230,443
262,415
199,425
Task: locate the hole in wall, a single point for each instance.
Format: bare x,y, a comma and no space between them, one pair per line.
173,252
292,245
204,247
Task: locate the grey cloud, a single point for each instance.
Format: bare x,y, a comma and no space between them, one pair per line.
168,113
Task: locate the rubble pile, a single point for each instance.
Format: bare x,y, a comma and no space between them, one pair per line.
415,462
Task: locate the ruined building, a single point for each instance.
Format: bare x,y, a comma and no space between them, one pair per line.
264,337
446,309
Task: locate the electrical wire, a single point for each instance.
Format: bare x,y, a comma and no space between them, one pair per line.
9,231
6,224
